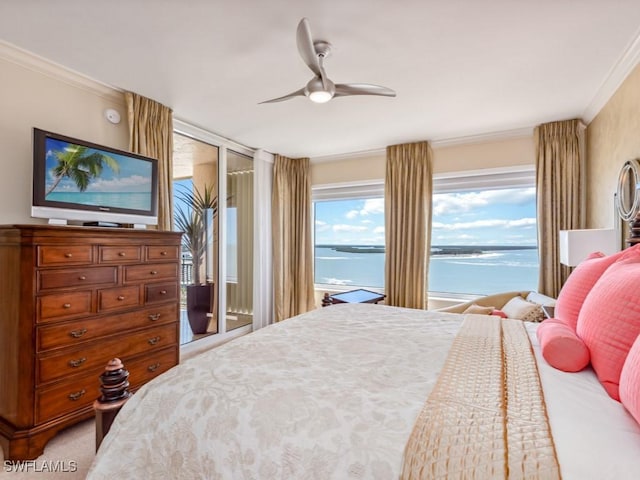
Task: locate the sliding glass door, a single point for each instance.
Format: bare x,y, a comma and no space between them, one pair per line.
210,172
195,194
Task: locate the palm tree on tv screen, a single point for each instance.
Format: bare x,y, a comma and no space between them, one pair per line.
81,165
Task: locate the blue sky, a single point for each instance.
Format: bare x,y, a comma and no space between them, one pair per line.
488,217
134,174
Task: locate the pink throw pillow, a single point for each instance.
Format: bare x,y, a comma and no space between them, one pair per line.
561,347
630,381
499,313
609,321
582,280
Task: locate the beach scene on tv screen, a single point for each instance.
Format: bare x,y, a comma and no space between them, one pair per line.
81,175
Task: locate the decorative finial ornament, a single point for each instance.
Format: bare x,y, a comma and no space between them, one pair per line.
114,382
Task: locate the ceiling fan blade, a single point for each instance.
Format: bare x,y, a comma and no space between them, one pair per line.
346,89
297,93
306,49
323,74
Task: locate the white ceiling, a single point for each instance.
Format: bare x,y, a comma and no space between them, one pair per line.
461,68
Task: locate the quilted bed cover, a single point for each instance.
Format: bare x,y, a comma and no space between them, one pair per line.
334,394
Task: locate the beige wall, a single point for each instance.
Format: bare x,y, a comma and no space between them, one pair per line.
613,137
453,158
33,95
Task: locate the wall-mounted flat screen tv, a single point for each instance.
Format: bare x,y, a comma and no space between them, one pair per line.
78,180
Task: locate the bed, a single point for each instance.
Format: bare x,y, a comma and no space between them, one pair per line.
335,394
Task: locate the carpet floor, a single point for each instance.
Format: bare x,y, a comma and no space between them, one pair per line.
71,449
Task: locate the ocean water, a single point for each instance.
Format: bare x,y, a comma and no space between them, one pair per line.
132,200
486,273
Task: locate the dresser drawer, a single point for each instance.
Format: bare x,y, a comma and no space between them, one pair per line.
90,276
155,253
50,255
160,292
144,369
118,298
123,254
151,272
79,331
67,396
62,306
95,354
70,395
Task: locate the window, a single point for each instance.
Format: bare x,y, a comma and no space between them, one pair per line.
349,242
483,239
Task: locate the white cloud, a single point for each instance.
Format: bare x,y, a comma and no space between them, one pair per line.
521,222
134,183
372,206
322,226
366,221
379,230
349,228
452,203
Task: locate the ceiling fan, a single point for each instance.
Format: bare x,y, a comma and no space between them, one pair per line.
320,89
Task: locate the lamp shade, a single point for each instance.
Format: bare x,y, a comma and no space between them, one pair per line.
576,245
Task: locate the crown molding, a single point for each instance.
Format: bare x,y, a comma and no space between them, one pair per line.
484,137
618,73
38,64
376,152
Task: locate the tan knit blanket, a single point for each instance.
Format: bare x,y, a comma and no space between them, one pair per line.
485,417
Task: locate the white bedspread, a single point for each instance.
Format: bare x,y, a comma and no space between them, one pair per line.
333,394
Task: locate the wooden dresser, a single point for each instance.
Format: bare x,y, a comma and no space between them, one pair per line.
72,298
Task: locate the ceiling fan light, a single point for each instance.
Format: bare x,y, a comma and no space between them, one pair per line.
320,96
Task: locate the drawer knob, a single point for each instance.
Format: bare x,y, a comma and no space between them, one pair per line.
76,395
153,340
78,333
66,305
154,316
120,297
77,363
122,254
163,292
163,253
153,272
82,277
68,255
154,367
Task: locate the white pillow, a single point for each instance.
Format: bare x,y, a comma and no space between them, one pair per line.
519,308
540,299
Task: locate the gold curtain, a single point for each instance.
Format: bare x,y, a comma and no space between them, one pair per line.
560,191
407,197
292,247
151,134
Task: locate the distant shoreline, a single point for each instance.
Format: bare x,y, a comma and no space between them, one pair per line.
435,249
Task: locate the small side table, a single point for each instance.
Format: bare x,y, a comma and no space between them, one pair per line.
354,296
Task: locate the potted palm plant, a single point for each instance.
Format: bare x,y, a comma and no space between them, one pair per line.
195,219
